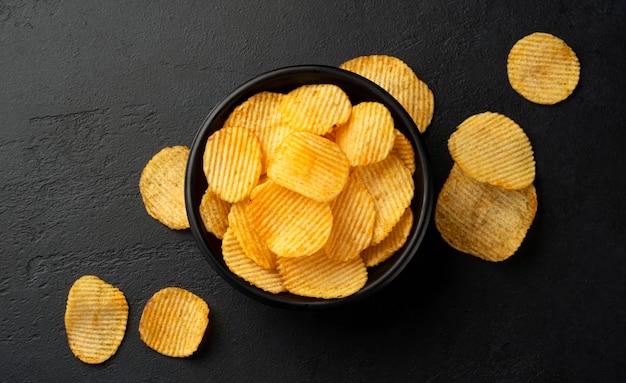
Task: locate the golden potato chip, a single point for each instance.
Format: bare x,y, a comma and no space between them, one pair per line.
162,187
256,113
95,319
173,322
242,266
270,138
354,215
492,148
379,253
321,277
262,183
316,108
483,220
403,149
542,68
252,245
400,81
391,186
369,134
232,162
310,165
261,115
214,213
291,224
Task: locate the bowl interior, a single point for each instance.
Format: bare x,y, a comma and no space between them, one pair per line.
283,80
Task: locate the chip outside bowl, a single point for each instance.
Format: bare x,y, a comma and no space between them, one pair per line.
358,89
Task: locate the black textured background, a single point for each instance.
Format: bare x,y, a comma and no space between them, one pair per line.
90,90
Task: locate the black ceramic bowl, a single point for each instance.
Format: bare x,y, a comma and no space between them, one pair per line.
358,89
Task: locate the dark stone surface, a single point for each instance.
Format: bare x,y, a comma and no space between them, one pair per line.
89,91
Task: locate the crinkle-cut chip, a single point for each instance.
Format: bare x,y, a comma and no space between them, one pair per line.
310,165
354,215
391,186
397,78
368,135
316,108
242,266
492,148
377,254
318,276
483,220
403,149
232,162
542,68
257,112
253,246
261,115
263,181
95,319
214,213
162,187
270,138
173,322
291,224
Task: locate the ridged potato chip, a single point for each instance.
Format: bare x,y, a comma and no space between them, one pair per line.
257,113
260,113
316,108
95,319
242,266
542,68
483,220
173,322
162,187
270,138
391,186
379,253
368,136
492,148
321,277
251,243
214,213
354,215
291,224
397,78
310,165
403,149
262,183
232,162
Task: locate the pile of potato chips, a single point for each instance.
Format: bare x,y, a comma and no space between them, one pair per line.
173,321
307,190
488,202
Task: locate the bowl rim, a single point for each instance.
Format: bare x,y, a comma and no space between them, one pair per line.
309,74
